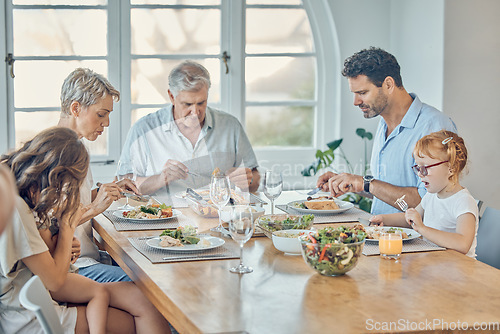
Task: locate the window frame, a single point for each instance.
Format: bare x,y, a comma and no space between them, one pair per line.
119,57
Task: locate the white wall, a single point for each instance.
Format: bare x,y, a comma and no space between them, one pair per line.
360,24
417,35
471,89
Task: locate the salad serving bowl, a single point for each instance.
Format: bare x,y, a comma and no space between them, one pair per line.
276,222
332,251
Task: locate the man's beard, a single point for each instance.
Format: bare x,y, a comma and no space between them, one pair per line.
377,108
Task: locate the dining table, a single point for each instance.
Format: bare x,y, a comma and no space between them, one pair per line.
440,291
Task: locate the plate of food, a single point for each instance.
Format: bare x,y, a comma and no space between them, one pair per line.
150,213
320,205
184,239
373,232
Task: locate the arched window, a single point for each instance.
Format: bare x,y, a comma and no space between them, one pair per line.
274,65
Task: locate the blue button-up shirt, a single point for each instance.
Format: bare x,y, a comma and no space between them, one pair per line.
392,157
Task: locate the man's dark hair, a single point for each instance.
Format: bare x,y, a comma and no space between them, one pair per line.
375,63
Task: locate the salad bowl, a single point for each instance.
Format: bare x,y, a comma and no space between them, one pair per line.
333,251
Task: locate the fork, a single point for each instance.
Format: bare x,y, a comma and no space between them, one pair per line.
403,205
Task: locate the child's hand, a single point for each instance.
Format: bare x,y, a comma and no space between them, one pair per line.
377,220
414,219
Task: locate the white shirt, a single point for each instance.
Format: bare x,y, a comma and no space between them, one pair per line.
442,213
89,252
20,240
155,138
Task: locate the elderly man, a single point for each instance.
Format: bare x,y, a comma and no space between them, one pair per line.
375,80
181,145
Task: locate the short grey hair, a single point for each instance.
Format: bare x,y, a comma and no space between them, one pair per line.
188,76
86,87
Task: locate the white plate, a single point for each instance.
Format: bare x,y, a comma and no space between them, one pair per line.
119,214
412,234
343,206
214,243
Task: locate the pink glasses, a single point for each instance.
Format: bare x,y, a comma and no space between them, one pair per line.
423,169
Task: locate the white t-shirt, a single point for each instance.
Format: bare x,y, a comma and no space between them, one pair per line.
442,213
20,240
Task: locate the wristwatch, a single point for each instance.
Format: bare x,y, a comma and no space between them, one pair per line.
367,179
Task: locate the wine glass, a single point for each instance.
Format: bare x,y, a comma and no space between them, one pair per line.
220,193
121,174
241,227
273,186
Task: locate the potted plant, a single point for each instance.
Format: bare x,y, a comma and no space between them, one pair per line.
325,158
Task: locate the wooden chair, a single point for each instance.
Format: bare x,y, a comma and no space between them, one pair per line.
488,234
35,297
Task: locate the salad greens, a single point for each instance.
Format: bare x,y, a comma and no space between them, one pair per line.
186,234
154,209
333,251
291,222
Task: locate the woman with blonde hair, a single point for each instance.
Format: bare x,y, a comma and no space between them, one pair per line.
86,104
49,170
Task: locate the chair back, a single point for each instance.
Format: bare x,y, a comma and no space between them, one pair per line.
488,235
35,297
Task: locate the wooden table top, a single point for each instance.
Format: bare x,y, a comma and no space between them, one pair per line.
423,292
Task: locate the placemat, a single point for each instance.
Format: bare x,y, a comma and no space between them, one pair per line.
410,246
230,250
350,215
127,225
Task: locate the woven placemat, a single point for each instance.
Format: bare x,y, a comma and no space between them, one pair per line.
410,246
144,225
229,250
350,215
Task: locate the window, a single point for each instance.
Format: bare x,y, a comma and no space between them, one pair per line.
261,54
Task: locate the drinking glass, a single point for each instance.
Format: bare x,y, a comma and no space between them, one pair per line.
273,186
121,175
390,245
220,193
241,227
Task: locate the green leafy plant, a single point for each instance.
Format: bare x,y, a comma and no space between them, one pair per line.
325,159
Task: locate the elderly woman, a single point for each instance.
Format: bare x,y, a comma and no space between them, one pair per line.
86,103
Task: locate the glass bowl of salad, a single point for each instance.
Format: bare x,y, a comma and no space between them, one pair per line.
277,222
333,251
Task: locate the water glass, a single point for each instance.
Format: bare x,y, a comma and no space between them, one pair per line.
241,227
390,245
220,193
273,186
121,175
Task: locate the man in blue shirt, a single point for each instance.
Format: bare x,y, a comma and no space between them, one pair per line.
375,80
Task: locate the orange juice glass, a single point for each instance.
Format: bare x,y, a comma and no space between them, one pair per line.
390,245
